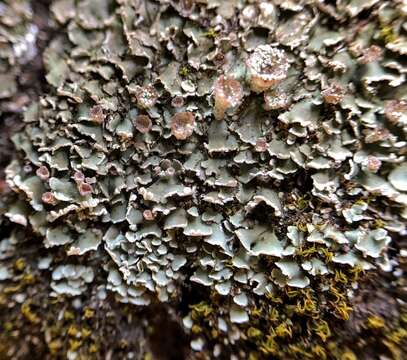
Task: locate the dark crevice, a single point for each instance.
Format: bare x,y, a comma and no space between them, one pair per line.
167,339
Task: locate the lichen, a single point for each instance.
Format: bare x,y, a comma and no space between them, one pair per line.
270,217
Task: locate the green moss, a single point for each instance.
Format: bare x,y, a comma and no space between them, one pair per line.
302,227
283,330
89,313
20,264
269,347
375,322
201,309
74,344
196,329
322,330
348,355
253,332
387,34
342,310
211,33
319,352
341,277
184,71
29,313
55,346
69,315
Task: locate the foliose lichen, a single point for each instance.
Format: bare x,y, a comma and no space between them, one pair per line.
243,149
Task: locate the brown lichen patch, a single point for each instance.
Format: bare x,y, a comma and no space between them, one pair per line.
371,54
375,135
333,94
261,145
79,176
97,114
395,110
177,102
373,163
143,123
275,99
267,66
182,125
85,188
228,93
49,198
148,215
146,96
43,173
